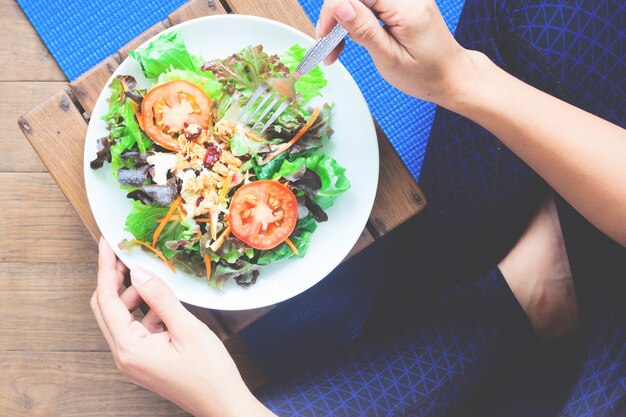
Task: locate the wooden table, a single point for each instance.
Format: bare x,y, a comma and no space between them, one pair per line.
53,359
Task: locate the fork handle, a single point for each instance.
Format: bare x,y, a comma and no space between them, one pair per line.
324,46
320,50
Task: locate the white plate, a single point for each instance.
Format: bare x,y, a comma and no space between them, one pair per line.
353,145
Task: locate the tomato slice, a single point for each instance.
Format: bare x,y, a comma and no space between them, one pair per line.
263,214
168,108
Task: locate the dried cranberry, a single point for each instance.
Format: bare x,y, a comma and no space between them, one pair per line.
192,132
212,155
199,201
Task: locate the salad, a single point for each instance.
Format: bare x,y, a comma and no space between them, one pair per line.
210,196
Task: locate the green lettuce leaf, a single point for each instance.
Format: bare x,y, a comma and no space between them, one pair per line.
241,145
267,171
312,82
206,81
142,223
116,101
246,69
332,175
126,135
301,238
168,51
244,273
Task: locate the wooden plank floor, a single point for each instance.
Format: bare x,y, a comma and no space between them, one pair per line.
53,359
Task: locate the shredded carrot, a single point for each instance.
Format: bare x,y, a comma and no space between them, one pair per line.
203,220
181,211
213,225
156,252
292,246
137,114
286,183
198,233
226,186
166,219
207,264
220,240
289,144
253,136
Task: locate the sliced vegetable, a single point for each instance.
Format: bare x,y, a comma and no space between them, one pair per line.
263,214
169,108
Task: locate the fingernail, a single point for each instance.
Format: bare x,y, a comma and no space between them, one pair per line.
101,242
139,276
344,12
317,29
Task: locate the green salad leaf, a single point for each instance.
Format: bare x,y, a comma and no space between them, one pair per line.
126,135
124,131
116,101
332,176
142,223
301,238
166,52
246,69
312,82
241,145
206,81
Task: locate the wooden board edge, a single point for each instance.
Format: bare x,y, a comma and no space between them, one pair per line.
63,99
196,8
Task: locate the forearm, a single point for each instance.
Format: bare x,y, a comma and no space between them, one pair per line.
580,155
202,402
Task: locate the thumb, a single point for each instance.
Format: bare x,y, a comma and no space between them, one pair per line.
162,300
361,24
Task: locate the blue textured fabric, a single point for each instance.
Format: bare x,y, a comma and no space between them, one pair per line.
601,387
481,197
404,119
444,350
79,34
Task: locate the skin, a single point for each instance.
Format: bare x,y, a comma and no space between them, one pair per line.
416,53
186,364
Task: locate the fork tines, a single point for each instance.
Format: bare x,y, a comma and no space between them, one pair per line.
258,111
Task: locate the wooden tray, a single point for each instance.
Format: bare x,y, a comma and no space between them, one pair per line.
56,129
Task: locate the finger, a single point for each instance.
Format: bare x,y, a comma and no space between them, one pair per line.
324,25
163,301
326,20
95,308
361,24
153,322
122,271
131,299
114,313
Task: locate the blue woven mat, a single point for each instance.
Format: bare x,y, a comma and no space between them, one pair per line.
80,34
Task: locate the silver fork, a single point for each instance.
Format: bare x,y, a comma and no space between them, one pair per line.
280,92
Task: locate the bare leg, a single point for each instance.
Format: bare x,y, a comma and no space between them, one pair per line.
538,272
